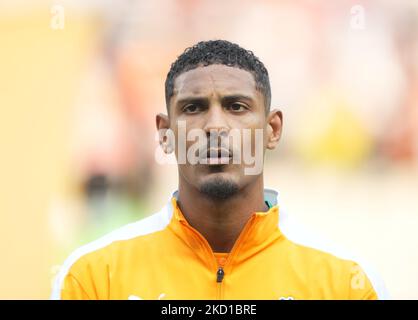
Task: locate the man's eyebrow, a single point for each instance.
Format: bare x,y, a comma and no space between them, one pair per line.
192,99
238,96
204,100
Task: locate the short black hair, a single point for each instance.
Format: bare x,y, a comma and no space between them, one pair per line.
206,53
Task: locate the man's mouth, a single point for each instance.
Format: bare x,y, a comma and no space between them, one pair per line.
217,156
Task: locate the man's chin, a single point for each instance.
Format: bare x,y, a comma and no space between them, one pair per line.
219,187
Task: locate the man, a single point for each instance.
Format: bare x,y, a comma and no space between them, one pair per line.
222,235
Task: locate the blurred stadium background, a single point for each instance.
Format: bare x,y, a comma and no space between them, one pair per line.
81,82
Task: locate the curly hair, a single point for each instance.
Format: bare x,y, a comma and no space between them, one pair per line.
206,53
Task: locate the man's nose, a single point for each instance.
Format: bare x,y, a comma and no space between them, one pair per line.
216,121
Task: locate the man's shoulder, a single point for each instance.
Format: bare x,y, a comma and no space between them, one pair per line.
324,257
126,234
155,222
98,252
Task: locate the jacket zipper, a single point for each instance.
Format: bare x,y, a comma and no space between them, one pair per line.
219,277
220,271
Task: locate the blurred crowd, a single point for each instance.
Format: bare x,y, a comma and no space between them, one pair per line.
344,73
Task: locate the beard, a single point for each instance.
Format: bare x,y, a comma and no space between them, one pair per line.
219,189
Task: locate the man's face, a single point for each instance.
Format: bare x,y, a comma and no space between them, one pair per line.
220,101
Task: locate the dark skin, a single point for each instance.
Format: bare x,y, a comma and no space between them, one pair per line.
222,98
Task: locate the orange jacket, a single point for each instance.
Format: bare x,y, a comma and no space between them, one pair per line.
163,257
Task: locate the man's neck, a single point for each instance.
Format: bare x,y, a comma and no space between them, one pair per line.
221,222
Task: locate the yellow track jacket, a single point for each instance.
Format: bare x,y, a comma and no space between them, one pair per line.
163,257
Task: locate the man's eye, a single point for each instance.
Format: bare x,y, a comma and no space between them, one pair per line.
191,108
237,107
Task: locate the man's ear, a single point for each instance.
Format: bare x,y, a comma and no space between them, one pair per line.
162,122
274,128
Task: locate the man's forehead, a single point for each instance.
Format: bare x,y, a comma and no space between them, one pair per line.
203,80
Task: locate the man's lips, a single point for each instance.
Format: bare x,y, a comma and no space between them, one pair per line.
216,156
